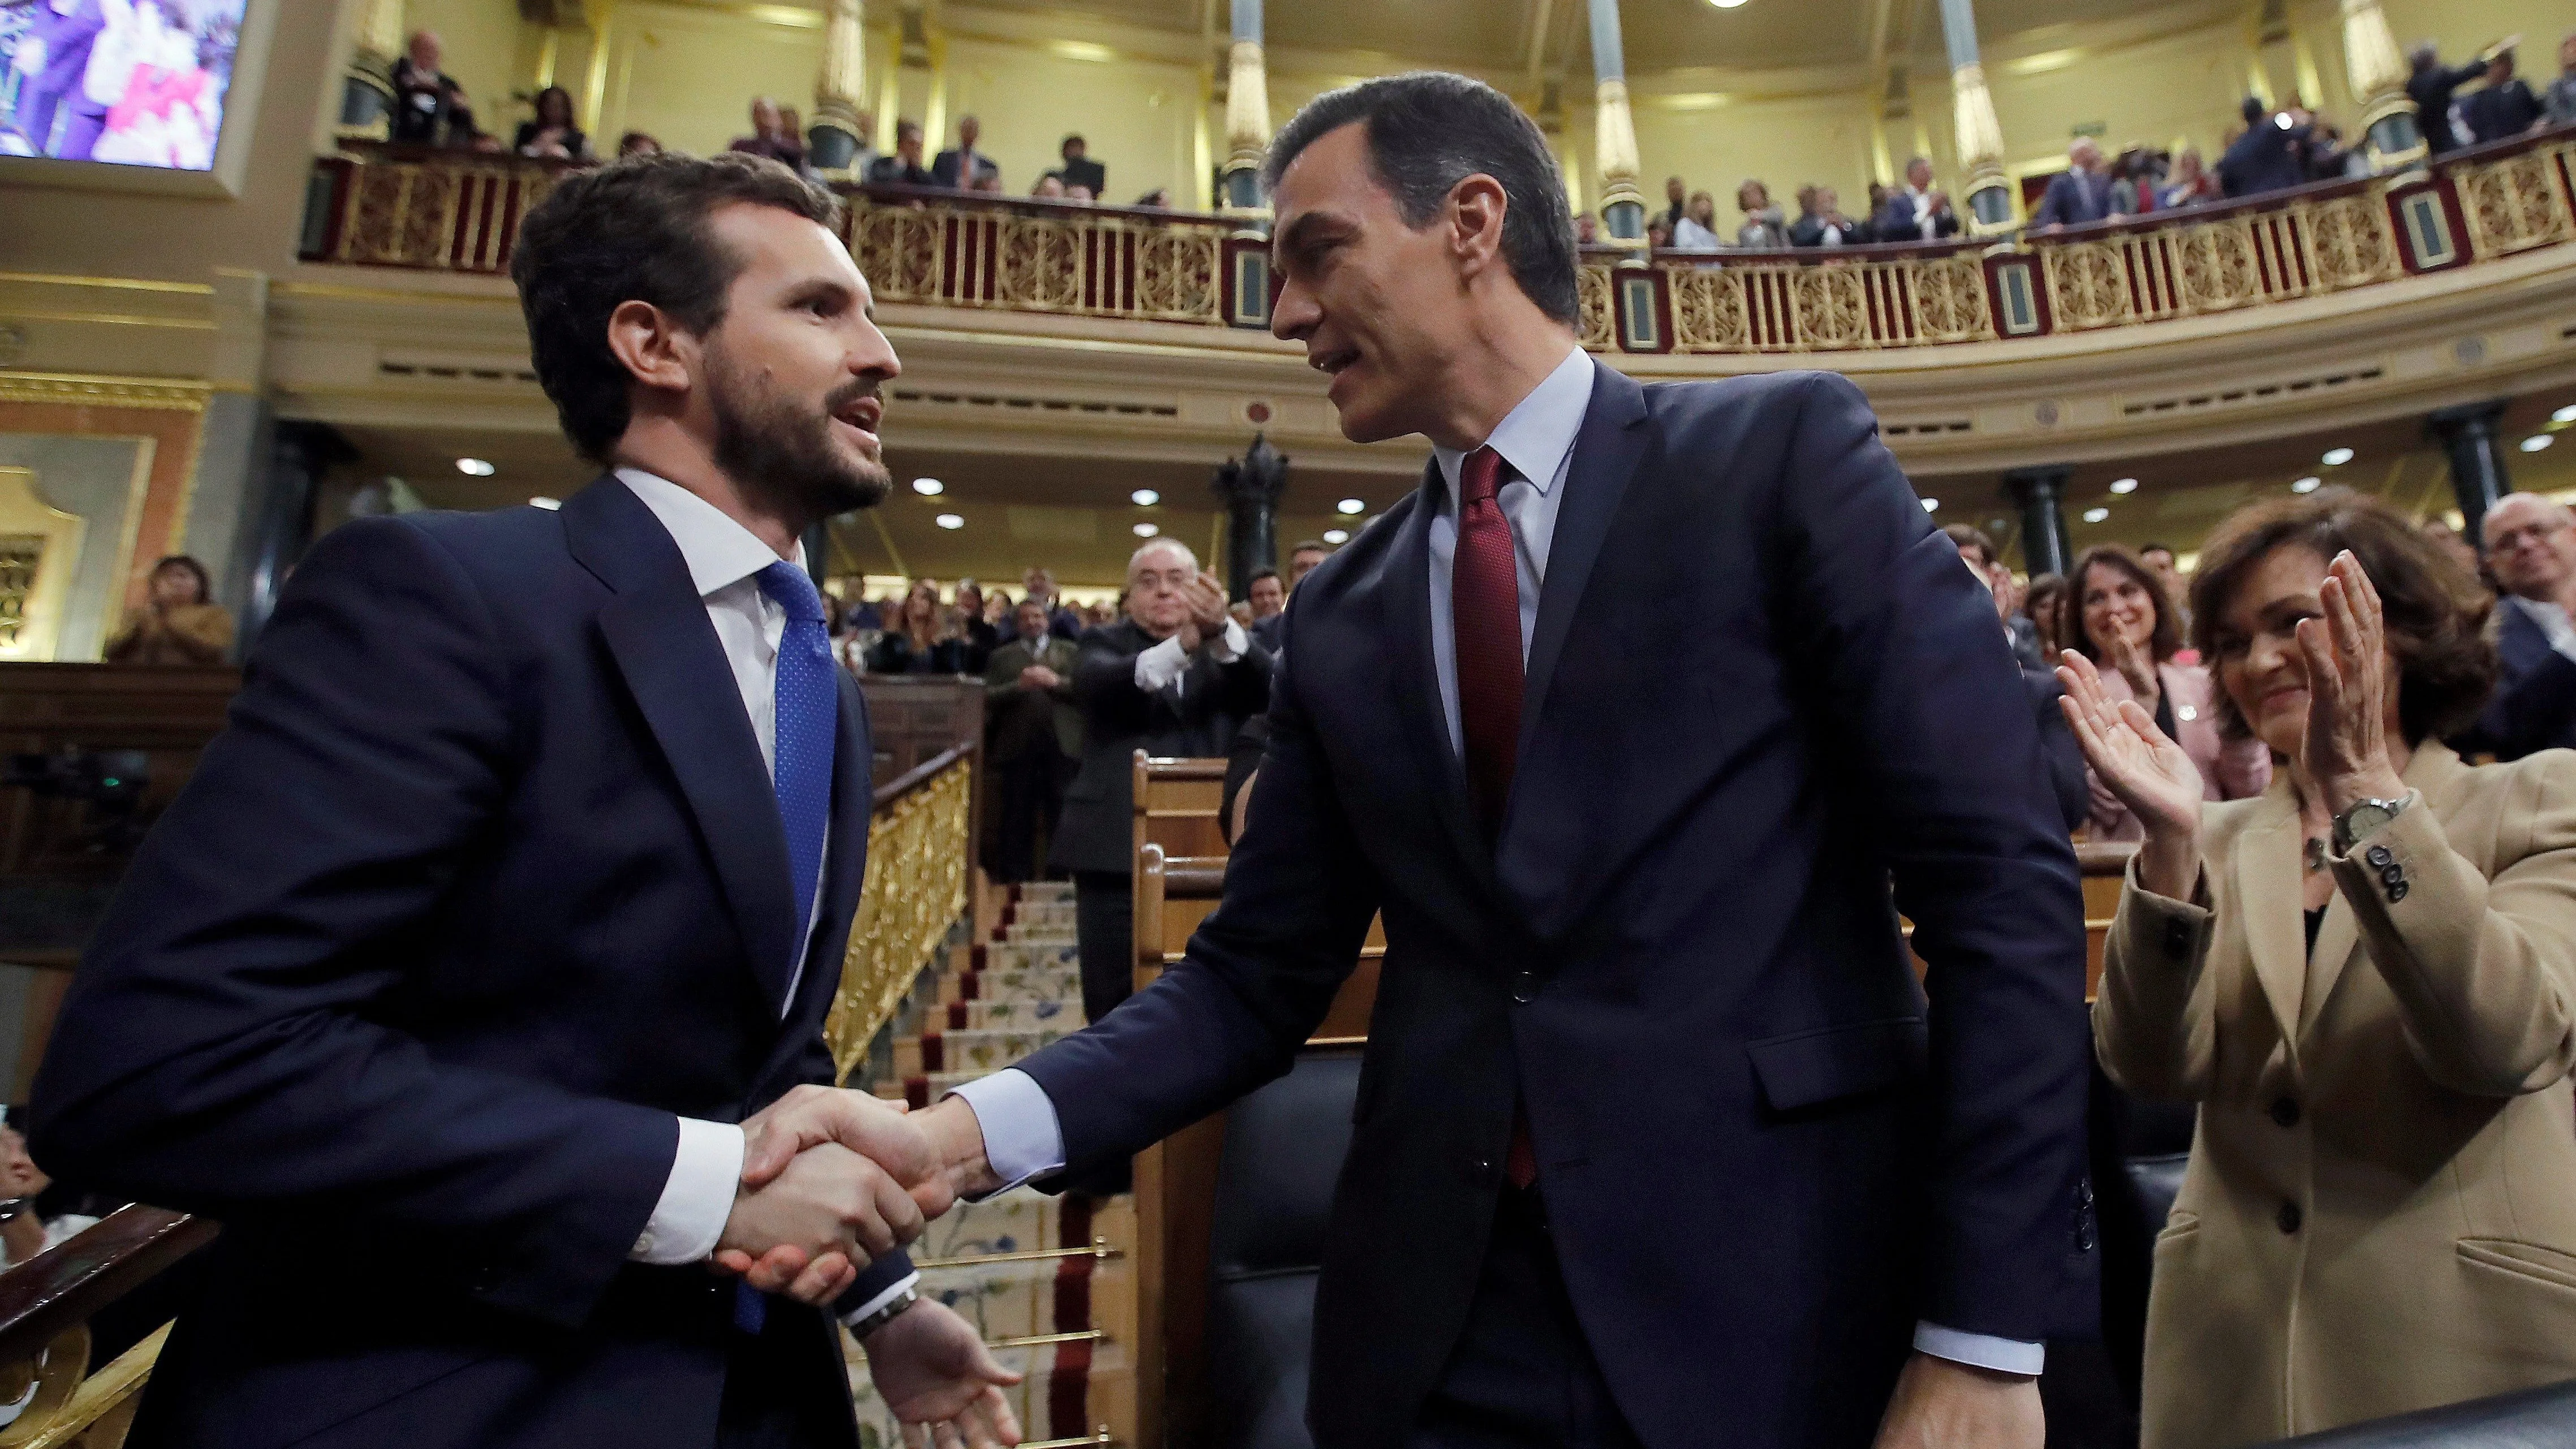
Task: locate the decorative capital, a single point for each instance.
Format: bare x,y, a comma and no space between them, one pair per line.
1616,138
1247,106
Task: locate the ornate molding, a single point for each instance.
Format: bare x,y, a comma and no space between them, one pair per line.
90,390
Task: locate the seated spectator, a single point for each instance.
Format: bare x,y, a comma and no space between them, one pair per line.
2560,103
1079,169
2269,156
962,166
1697,232
2429,86
1050,187
1918,212
182,624
1678,202
2083,192
2506,108
1821,222
1762,229
770,137
2124,624
552,135
922,639
428,108
2190,184
24,1231
2136,178
2531,546
904,167
637,143
2376,1216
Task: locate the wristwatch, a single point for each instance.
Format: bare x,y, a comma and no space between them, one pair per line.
2364,816
861,1328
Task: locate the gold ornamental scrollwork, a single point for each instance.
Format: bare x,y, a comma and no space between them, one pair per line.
1176,275
1709,312
913,894
1950,300
2515,204
1592,312
2086,286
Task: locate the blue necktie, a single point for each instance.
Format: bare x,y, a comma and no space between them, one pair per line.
809,710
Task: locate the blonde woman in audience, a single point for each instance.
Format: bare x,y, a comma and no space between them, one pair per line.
921,638
2380,1209
2124,624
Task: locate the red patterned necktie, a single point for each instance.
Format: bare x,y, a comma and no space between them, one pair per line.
1485,623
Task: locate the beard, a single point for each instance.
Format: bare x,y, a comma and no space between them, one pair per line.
781,453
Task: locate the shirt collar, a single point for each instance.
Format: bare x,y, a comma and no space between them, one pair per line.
719,552
1539,431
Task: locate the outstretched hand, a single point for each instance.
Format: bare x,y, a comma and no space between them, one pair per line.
943,1384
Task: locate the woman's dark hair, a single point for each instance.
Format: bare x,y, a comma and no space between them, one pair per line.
189,566
1430,130
554,93
2044,604
2162,645
2435,613
634,230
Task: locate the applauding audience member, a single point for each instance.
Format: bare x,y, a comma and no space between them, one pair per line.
2505,107
553,135
904,167
1821,222
1762,229
2430,86
2531,546
2125,624
180,625
1034,734
428,108
2381,1202
922,639
1917,212
1079,169
2190,184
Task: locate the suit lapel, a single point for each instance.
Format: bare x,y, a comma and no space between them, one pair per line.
2268,861
657,631
1605,457
1425,724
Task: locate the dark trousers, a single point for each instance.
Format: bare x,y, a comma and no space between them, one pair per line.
1522,1375
1032,790
782,1390
1104,931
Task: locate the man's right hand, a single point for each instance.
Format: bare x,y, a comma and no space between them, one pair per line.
828,1200
1038,676
1207,604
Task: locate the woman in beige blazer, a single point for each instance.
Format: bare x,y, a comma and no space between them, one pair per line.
2380,1210
2124,626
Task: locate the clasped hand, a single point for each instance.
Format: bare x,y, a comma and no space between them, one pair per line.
831,1180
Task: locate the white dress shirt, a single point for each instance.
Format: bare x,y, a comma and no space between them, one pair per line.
724,560
1022,1135
1162,666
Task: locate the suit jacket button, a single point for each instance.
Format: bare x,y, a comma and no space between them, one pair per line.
2285,1111
2397,892
2289,1217
2378,855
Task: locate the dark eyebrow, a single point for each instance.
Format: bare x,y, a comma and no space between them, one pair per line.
1298,237
818,289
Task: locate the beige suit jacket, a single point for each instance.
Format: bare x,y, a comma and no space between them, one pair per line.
2380,1210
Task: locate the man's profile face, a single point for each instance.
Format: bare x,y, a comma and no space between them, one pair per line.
1302,563
1380,306
1268,596
793,371
1156,577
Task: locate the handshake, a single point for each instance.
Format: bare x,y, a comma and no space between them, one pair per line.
833,1179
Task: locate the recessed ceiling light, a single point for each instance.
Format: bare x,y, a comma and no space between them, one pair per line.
1146,530
2096,515
1725,4
2566,414
2536,442
928,487
1350,506
473,467
541,501
2306,485
1931,505
1336,535
1144,497
949,520
2337,457
2124,485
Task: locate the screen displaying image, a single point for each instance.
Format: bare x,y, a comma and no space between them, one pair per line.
130,82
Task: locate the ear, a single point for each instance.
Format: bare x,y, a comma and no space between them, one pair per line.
1477,206
652,347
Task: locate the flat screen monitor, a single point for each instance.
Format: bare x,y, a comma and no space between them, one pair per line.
139,83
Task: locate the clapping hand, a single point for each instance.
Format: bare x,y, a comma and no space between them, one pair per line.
2147,771
933,1370
2345,749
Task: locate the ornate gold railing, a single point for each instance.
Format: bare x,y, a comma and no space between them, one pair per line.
459,212
46,1307
920,838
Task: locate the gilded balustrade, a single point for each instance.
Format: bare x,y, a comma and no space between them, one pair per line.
47,1305
919,842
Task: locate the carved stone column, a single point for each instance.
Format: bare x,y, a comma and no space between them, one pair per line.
833,140
2478,477
367,93
1979,136
1250,487
1623,206
1247,112
2377,74
2046,547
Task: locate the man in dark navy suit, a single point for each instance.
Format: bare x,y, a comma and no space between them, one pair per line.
2270,156
1658,1141
476,981
2531,546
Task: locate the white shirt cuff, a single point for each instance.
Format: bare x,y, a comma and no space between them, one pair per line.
1157,667
1230,645
1022,1138
2003,1355
859,1315
689,1220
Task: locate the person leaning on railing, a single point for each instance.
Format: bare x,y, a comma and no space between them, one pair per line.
2379,1214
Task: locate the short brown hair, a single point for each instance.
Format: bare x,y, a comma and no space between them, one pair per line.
1968,536
2435,613
634,230
2162,645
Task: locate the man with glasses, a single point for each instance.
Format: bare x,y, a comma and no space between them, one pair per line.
2531,548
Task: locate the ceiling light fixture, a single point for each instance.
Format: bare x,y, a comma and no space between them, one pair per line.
2536,442
928,487
1144,497
1146,530
2566,414
1726,4
2306,485
1350,506
949,520
2124,485
474,468
2096,515
542,501
2337,457
1336,535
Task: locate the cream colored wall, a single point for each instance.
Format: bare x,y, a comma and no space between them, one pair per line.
2463,27
1784,143
2184,87
688,75
1136,115
479,40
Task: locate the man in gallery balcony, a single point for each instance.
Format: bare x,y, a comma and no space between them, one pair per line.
1657,1142
1917,211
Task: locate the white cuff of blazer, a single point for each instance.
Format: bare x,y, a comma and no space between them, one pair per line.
1157,667
1023,1139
